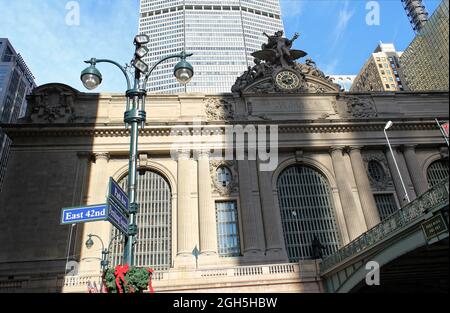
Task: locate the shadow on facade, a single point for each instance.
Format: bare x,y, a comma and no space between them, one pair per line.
48,169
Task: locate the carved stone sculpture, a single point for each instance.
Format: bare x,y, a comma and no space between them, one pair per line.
53,103
219,109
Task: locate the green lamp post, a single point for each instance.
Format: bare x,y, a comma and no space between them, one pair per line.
135,114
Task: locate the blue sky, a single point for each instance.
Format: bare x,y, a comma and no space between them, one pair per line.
333,32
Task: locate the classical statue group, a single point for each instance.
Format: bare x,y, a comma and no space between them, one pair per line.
275,55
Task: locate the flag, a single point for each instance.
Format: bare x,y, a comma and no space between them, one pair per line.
445,129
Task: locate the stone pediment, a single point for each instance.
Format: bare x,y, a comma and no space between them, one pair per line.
308,84
52,103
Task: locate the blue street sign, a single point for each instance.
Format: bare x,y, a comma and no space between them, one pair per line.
84,214
117,194
117,217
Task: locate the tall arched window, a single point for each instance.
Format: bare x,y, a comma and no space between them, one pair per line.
306,212
154,240
437,172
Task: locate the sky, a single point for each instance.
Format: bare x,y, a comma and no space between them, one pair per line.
54,42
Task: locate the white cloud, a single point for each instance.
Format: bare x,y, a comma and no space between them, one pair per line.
345,15
291,8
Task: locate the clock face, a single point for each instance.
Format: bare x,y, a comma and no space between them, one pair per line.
287,80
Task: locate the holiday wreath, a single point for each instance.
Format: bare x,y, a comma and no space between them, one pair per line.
126,279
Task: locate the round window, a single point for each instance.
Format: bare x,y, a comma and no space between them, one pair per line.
224,176
376,171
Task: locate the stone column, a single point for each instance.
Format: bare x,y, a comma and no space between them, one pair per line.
206,209
396,178
349,207
98,185
271,219
415,170
187,214
371,214
251,218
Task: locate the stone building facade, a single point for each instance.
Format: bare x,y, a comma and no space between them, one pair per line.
330,176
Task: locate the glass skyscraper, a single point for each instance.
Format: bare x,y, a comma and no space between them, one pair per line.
222,34
16,82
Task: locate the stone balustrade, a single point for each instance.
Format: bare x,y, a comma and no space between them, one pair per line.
205,280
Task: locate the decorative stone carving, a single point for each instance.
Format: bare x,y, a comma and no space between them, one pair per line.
216,185
266,87
218,109
310,68
360,107
378,156
314,88
52,103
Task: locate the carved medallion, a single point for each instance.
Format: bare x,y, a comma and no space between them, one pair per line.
382,180
224,177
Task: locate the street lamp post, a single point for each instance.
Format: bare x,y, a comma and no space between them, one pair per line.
104,263
105,252
135,115
386,128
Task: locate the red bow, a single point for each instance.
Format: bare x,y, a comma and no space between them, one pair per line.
150,287
120,272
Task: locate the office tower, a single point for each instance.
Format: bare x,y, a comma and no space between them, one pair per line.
222,34
425,61
417,14
345,81
16,82
381,72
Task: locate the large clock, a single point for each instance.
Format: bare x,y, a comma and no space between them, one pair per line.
287,80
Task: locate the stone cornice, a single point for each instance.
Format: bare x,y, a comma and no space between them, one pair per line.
29,130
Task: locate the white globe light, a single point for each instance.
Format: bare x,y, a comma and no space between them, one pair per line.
389,125
91,81
184,75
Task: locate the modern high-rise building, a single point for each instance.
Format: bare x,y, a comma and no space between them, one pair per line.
425,61
16,81
381,72
222,34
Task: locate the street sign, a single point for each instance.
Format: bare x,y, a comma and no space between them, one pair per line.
434,227
117,194
117,217
84,214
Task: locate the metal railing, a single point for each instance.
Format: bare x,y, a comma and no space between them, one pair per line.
435,197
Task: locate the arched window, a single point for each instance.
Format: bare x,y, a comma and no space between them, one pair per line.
154,240
437,172
306,212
